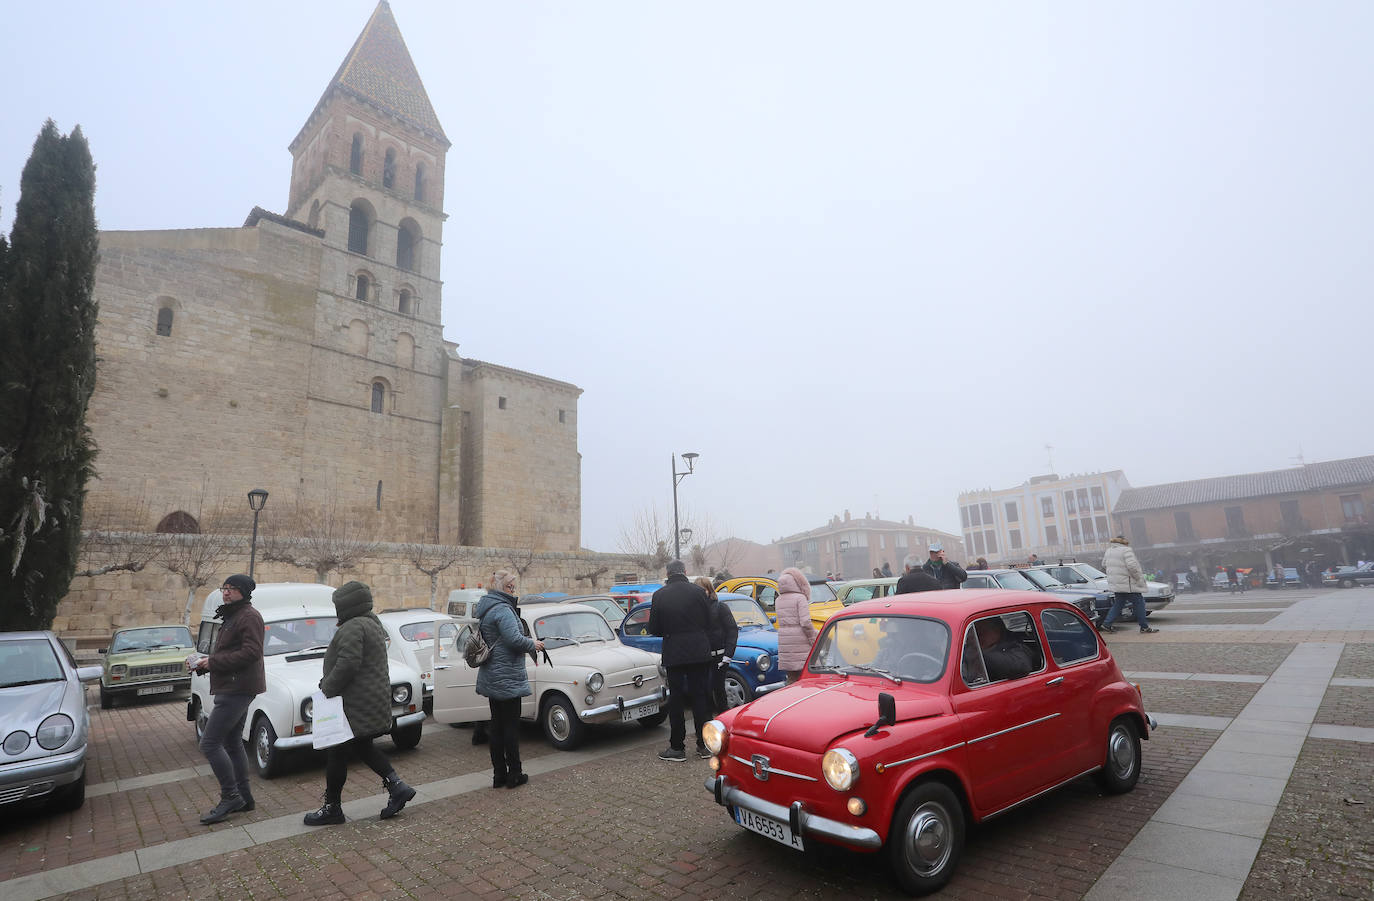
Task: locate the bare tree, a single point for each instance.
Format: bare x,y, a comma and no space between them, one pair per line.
645,540
591,577
197,557
127,551
432,559
325,539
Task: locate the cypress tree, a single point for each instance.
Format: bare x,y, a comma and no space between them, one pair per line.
47,373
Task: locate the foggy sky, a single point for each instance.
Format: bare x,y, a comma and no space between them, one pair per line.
857,256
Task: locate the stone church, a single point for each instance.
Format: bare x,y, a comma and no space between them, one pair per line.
304,352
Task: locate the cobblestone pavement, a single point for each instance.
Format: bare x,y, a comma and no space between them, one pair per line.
626,825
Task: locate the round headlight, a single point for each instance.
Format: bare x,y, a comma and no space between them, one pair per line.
595,681
763,662
54,731
841,769
308,709
119,669
713,734
16,742
400,693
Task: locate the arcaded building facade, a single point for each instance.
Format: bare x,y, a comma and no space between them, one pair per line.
304,353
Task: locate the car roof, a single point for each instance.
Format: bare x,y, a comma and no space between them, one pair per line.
413,615
31,633
564,607
953,603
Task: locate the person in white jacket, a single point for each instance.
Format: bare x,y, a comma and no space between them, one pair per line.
1126,579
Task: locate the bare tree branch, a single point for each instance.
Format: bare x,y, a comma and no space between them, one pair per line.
645,540
327,539
591,577
198,557
432,559
128,551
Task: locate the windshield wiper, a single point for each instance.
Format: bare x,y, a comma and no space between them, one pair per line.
31,682
873,670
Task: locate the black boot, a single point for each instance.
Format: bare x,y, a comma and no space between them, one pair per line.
399,794
247,796
220,812
330,814
479,734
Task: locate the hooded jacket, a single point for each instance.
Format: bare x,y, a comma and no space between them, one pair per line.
235,664
355,665
1124,572
796,634
503,676
680,615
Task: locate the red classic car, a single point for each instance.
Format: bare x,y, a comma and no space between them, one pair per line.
918,714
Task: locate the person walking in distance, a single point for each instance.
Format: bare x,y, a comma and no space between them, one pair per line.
723,640
356,669
237,676
679,614
503,679
1126,579
949,575
796,634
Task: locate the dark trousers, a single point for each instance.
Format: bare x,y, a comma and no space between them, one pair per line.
222,743
1119,602
691,681
336,764
505,737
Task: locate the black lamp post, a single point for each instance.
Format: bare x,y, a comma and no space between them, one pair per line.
843,546
678,477
256,499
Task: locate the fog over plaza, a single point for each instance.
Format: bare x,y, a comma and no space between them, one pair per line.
857,257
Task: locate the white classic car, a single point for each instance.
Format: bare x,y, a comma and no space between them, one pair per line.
589,677
299,620
411,636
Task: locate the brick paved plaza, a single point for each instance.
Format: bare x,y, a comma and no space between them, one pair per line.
612,821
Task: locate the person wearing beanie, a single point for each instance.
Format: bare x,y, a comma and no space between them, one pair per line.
1126,579
680,614
356,669
237,676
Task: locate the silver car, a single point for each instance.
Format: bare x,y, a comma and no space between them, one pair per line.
43,720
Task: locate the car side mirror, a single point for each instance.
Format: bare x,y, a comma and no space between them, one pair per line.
887,714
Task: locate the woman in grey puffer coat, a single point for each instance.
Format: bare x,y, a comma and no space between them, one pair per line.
502,680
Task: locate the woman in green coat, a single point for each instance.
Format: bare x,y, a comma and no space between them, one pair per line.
355,667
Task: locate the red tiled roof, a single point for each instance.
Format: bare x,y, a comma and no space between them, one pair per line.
1355,471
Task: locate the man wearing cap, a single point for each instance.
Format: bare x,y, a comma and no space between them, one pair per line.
680,613
949,575
236,677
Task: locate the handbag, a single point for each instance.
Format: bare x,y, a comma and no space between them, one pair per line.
477,651
329,726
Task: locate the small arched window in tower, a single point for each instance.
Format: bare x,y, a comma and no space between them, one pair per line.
179,523
389,169
408,246
355,156
164,322
403,306
362,287
378,397
420,182
358,224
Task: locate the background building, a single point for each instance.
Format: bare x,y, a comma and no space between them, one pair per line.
1047,515
854,547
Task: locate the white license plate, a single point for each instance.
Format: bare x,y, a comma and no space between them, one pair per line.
775,829
155,689
629,715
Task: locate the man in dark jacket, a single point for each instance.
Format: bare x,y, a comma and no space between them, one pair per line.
680,615
914,578
237,676
949,575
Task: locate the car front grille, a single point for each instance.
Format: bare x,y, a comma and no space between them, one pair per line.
160,669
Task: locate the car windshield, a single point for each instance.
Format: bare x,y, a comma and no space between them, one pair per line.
1068,575
748,615
822,591
1043,579
144,639
1015,580
1092,572
288,636
894,647
572,628
28,661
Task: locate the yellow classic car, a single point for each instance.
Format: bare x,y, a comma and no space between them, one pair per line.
851,592
764,589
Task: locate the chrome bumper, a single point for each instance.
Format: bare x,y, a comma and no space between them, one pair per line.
33,778
773,686
801,822
621,705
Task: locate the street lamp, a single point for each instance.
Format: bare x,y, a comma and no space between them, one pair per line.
843,546
256,499
678,477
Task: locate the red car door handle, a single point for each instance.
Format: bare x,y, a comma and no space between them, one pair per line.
1055,681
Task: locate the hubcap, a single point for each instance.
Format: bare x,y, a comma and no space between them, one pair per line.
263,746
928,839
558,722
734,693
1121,752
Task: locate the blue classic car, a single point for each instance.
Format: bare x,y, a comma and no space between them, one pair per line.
752,669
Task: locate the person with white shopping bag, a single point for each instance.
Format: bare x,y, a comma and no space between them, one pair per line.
356,673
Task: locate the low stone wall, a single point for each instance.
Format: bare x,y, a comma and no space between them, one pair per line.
97,605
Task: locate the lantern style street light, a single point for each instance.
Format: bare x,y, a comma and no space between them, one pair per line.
256,499
678,477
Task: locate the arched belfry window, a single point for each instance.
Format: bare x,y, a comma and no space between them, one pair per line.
389,169
420,181
362,287
355,156
359,224
378,396
408,246
403,304
164,322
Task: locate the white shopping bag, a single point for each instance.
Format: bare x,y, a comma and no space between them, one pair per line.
329,725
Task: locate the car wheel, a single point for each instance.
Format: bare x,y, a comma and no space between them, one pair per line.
407,737
927,838
561,725
653,720
266,757
1347,583
202,720
106,699
74,795
1121,769
733,690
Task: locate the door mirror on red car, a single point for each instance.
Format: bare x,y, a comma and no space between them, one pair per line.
887,713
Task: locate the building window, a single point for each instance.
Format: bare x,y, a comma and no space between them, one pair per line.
991,541
1047,507
355,156
407,246
389,169
963,514
378,397
1075,535
978,547
974,517
562,415
403,305
1235,523
358,225
1068,502
1011,511
1014,536
164,322
1288,510
1082,500
500,403
1088,537
1098,502
361,286
1102,528
179,523
420,182
1352,507
1051,535
379,494
987,514
1183,522
1138,531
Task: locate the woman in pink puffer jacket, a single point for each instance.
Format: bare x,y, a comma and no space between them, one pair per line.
795,632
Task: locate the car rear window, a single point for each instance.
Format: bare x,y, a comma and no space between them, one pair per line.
417,631
1070,639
